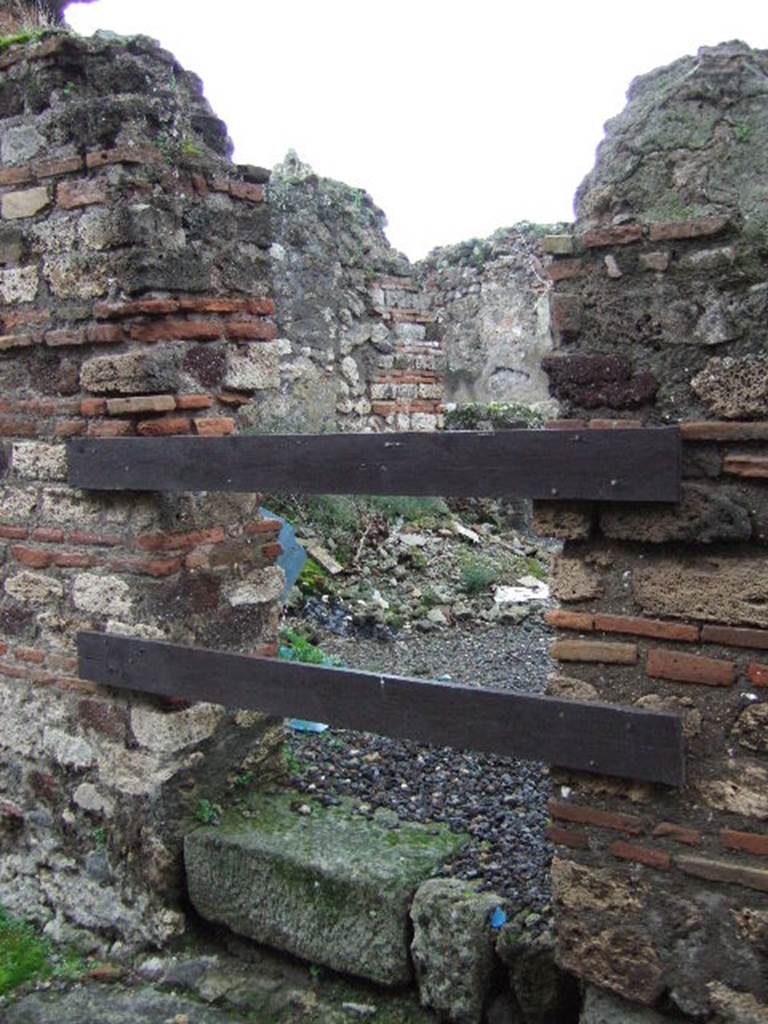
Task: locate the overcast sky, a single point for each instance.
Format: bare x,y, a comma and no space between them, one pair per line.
458,117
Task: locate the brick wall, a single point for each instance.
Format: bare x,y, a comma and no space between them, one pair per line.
662,894
134,300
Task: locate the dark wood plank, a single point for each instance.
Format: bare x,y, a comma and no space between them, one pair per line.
572,734
600,465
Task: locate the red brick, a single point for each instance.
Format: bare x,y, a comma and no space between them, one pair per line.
114,428
594,650
567,837
715,430
269,650
15,175
176,330
758,674
13,426
562,270
148,566
272,550
701,227
690,668
229,399
382,408
180,541
199,184
24,317
247,191
143,307
263,526
13,341
65,337
93,539
621,234
647,627
194,401
562,619
59,662
140,403
35,558
580,815
93,407
640,855
70,428
29,655
731,636
677,833
750,466
124,155
14,532
258,307
565,424
71,195
250,330
162,428
71,560
214,426
59,165
48,536
614,424
103,717
723,871
746,842
105,334
410,316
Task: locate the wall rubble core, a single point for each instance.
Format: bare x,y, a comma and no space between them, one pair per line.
134,300
658,312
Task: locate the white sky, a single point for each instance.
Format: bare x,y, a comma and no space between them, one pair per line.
458,117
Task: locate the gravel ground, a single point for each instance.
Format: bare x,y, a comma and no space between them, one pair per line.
499,801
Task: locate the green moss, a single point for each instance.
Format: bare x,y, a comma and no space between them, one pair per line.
499,415
30,36
25,956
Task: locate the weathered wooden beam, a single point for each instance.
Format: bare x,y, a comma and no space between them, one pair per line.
598,465
584,736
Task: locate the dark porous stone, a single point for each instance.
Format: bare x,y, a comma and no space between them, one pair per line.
213,132
596,381
186,271
705,514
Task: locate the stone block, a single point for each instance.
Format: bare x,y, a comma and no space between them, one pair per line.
701,227
557,245
21,144
594,650
705,514
563,520
573,580
33,588
742,790
735,387
38,461
711,589
327,886
27,203
751,731
734,1007
18,284
167,732
592,381
571,688
621,234
453,948
253,368
133,372
602,1007
101,595
544,992
729,872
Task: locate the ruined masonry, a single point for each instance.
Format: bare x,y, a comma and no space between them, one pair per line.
660,307
135,300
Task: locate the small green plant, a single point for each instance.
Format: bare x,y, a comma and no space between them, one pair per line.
412,510
23,954
523,565
244,779
478,574
208,813
295,647
313,578
293,762
191,149
743,132
500,415
100,836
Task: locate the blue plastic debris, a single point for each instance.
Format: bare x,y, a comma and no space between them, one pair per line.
293,557
498,919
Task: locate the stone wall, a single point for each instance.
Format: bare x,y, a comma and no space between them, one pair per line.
490,300
353,322
659,316
134,300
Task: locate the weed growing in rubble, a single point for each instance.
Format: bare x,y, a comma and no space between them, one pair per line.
208,813
26,956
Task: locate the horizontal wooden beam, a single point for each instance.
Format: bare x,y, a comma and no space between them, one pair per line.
593,737
598,465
